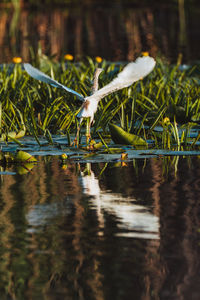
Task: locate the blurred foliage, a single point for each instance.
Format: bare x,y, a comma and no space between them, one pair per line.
91,2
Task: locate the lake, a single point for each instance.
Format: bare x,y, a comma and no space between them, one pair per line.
101,230
95,226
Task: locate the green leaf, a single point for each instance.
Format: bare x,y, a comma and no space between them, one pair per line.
20,134
120,136
24,157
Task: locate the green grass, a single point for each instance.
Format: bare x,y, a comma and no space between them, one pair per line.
38,109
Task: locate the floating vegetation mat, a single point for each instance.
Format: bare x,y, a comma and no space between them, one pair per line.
86,154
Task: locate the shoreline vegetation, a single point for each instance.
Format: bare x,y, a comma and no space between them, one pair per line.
87,29
163,107
85,2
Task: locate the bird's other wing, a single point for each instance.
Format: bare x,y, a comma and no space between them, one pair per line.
35,73
130,74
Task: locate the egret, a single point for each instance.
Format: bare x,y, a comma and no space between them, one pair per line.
131,73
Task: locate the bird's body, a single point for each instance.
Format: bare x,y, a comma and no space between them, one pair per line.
130,74
88,108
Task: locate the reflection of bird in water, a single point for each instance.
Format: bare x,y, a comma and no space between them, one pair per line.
130,74
133,220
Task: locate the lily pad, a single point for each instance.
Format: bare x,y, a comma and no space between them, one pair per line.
24,157
4,137
12,135
122,137
20,134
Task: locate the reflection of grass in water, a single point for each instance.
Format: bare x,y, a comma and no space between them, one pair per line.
33,261
169,93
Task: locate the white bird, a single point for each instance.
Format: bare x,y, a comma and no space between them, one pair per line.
130,74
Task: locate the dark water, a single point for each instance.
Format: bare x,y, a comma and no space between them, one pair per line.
96,231
114,30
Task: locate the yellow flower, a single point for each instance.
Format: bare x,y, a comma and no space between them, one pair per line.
64,156
145,53
17,60
166,120
68,57
98,59
124,156
64,167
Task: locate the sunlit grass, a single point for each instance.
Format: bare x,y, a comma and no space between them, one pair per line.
169,98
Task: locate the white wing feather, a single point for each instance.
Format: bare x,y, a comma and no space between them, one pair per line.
35,73
130,74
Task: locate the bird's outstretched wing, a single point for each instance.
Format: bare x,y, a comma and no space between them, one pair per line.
130,74
35,73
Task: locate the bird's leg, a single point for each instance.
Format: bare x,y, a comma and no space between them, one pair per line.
88,136
86,110
94,89
76,140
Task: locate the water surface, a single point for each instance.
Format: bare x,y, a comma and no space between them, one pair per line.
97,231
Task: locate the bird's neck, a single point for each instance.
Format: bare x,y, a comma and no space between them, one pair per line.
95,80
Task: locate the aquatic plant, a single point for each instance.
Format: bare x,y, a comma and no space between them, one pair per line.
34,108
130,74
19,157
